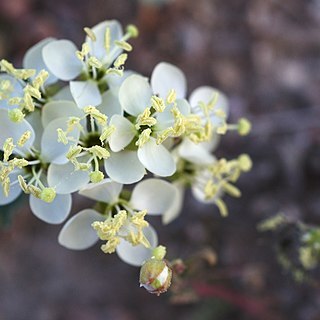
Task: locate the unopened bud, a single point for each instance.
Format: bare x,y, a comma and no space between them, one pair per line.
155,276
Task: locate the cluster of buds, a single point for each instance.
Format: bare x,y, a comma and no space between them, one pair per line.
74,120
298,247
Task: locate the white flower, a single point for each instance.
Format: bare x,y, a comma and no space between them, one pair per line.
57,115
204,95
198,155
56,139
61,173
135,97
209,177
12,87
35,172
153,195
101,48
166,76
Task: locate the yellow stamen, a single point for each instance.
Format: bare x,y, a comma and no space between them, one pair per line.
90,33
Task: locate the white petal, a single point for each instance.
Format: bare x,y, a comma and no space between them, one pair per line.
65,179
33,59
166,119
197,188
124,167
110,104
157,159
114,81
52,150
17,91
55,212
206,94
14,192
195,153
175,209
200,195
183,106
154,195
34,118
61,60
136,255
59,109
97,48
123,134
64,94
9,129
135,94
15,84
77,233
106,191
166,77
85,93
212,144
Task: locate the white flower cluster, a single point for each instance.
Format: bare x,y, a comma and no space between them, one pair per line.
74,121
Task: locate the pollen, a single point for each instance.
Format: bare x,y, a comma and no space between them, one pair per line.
48,195
144,137
90,33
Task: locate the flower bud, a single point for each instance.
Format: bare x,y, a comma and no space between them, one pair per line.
155,276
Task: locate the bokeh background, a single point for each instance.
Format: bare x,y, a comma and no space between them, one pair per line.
265,55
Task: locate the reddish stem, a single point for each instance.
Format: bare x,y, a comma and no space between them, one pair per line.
253,307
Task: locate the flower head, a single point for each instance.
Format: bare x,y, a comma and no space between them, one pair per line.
118,221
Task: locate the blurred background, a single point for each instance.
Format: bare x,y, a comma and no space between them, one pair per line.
265,55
